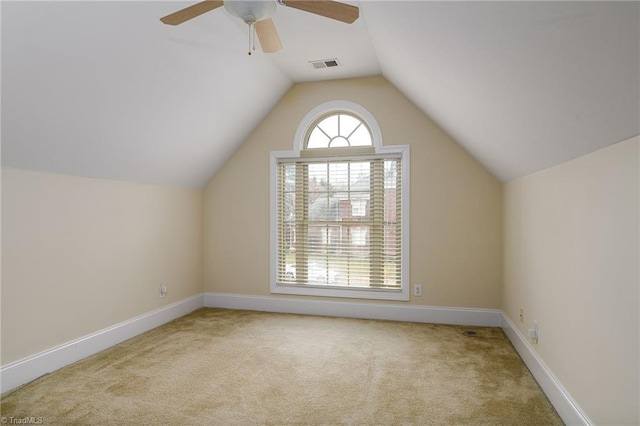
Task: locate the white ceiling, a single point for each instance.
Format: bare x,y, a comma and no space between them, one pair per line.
521,85
104,89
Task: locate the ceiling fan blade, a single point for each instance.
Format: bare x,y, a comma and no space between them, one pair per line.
191,12
268,36
330,9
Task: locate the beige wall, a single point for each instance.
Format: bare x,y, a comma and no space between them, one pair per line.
571,236
81,254
456,205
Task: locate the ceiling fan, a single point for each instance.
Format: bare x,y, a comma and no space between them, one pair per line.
257,14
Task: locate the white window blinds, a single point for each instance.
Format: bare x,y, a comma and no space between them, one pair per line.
339,222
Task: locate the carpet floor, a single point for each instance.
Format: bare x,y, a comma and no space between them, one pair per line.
231,367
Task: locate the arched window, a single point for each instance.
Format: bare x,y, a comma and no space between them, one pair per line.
340,209
339,130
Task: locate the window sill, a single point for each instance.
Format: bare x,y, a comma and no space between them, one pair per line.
333,291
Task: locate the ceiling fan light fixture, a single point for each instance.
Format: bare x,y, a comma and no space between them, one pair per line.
257,15
251,11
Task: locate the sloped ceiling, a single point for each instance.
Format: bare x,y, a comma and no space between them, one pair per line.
104,89
521,85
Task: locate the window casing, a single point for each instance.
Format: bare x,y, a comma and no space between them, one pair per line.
339,224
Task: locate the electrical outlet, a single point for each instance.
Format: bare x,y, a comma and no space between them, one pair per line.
522,315
533,333
162,291
417,290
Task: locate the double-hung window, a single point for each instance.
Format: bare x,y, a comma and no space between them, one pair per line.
340,209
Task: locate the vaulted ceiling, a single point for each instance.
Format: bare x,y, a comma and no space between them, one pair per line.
104,89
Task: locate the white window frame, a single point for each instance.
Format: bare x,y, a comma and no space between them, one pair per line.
298,151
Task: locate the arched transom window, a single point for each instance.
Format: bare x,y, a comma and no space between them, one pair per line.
339,130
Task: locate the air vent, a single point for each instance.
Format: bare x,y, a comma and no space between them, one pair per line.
325,63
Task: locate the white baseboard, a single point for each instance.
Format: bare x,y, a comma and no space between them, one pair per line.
25,370
368,310
565,405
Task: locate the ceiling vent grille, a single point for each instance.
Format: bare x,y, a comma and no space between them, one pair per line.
325,63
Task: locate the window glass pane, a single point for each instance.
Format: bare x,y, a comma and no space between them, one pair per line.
339,142
361,137
348,124
318,177
289,213
338,176
390,173
320,209
358,236
289,177
330,125
359,176
317,139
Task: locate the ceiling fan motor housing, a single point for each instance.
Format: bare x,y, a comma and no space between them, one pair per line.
251,11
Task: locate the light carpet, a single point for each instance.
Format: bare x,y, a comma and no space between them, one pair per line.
230,367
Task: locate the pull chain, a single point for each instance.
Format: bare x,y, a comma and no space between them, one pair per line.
252,38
